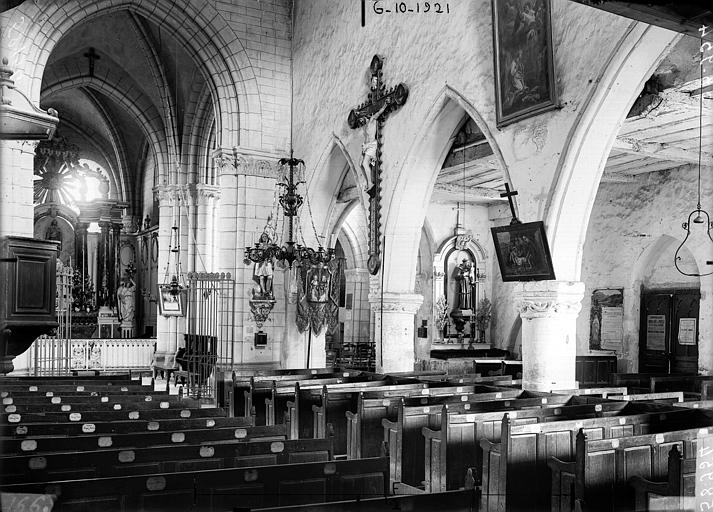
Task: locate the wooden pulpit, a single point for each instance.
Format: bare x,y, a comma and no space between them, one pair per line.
28,289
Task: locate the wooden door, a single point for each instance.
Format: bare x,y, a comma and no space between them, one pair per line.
684,334
668,332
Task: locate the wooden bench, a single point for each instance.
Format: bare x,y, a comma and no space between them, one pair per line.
514,470
690,384
92,399
90,442
451,501
336,403
113,415
123,427
222,489
403,435
636,382
594,391
674,493
370,412
161,459
455,447
669,397
597,477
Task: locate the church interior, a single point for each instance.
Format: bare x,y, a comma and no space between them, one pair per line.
313,255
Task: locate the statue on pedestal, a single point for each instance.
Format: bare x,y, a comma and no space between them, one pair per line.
465,277
126,301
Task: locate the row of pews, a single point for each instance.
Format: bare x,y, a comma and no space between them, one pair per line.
323,440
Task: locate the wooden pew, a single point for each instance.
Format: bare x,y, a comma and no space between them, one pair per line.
636,382
335,404
35,445
465,500
403,436
674,493
371,411
300,413
115,427
693,386
597,477
514,470
455,447
91,399
222,489
59,388
669,397
161,459
113,415
254,398
98,406
596,391
240,385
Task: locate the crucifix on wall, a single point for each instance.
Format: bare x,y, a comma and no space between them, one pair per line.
371,116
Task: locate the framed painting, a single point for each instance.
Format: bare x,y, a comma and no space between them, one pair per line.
170,304
524,64
523,252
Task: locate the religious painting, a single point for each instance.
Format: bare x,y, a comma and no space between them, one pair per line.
524,70
523,252
606,319
169,304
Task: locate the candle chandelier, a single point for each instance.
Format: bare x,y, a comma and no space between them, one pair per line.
290,200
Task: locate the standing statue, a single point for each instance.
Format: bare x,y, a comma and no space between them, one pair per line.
126,300
54,232
263,272
465,276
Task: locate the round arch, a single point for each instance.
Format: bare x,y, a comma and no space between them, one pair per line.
202,31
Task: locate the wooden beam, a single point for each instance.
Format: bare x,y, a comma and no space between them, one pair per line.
660,150
445,193
682,16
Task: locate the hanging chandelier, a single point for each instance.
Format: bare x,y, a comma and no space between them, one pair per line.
291,252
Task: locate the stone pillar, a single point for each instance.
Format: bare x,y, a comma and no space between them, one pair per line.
102,264
16,193
114,265
549,312
80,248
394,319
166,327
203,226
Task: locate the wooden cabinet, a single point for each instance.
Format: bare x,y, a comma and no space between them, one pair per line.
27,294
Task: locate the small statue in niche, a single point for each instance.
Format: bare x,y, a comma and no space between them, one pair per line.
263,272
465,277
147,222
54,232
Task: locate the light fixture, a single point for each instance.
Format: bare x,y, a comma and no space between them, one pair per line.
291,252
701,216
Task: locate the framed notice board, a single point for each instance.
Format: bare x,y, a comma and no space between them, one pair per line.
606,319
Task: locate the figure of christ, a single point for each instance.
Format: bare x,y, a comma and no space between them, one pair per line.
368,151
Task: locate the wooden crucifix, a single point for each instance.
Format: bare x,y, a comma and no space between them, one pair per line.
371,115
92,56
510,194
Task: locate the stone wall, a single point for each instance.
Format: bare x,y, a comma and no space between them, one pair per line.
634,231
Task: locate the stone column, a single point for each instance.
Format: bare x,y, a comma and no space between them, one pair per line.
205,197
394,319
80,248
16,193
549,312
102,265
114,276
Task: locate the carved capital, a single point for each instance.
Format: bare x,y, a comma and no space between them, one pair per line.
246,162
542,299
407,303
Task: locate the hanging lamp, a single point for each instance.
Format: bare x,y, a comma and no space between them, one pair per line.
698,219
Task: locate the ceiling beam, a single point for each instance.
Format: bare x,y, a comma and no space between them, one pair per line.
445,193
660,150
682,16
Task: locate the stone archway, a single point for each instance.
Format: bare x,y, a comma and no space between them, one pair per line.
590,141
203,32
